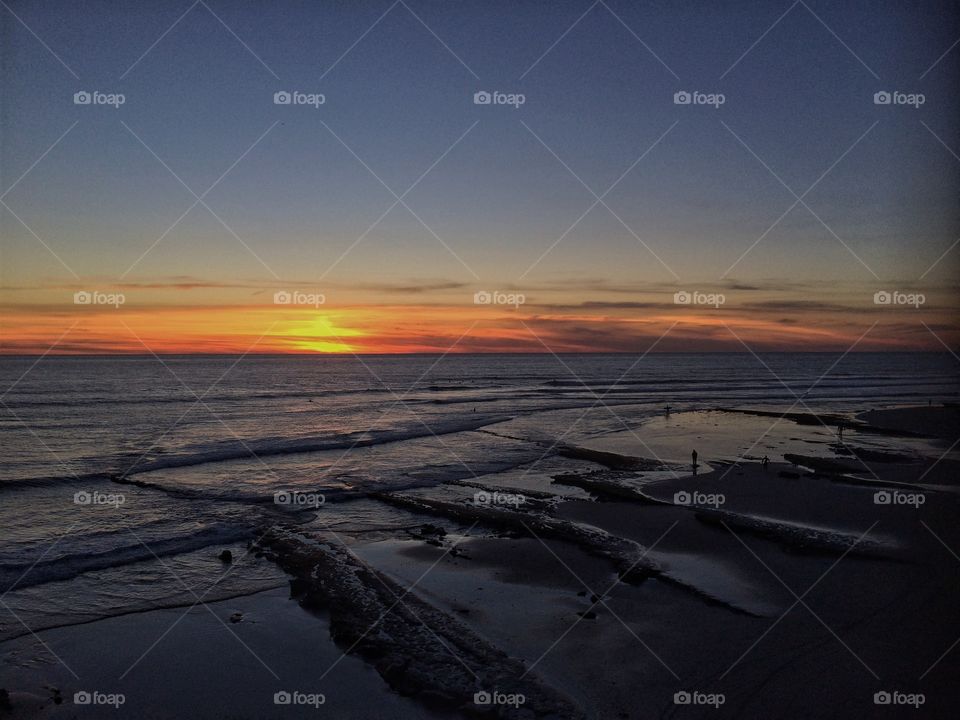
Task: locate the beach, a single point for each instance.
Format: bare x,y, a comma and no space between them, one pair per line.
598,577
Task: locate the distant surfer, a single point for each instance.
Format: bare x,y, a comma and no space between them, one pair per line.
693,455
764,462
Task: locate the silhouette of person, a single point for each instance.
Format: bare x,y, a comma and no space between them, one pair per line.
765,462
840,430
694,456
667,411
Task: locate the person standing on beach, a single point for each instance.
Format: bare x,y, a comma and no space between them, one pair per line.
764,462
694,456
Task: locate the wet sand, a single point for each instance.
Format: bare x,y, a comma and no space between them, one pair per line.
798,589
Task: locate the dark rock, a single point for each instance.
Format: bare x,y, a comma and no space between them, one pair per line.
587,614
4,699
788,474
226,556
236,617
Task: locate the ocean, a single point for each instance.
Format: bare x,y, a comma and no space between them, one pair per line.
123,478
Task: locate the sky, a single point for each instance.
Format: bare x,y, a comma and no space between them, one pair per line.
597,215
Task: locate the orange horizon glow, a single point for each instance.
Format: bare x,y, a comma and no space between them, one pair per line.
396,329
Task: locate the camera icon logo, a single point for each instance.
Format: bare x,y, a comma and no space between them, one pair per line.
82,297
481,498
482,97
882,98
283,497
482,698
82,498
882,497
82,98
482,297
282,297
282,698
282,97
682,97
882,297
882,698
681,697
682,498
82,698
682,298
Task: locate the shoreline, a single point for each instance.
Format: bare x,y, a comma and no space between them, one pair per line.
717,571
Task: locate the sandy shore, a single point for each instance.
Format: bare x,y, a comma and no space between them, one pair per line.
612,589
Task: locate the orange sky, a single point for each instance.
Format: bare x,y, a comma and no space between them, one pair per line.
613,327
